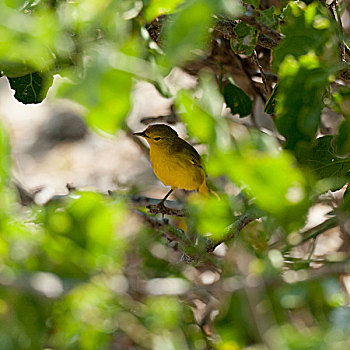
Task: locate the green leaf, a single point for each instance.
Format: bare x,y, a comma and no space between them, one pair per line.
5,161
305,59
237,100
161,7
163,312
254,3
86,226
199,122
14,69
268,17
324,162
106,94
245,41
267,176
114,105
346,199
188,32
29,39
31,88
271,102
341,99
342,140
307,29
212,216
300,100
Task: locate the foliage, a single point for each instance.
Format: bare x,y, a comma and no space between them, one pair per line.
91,272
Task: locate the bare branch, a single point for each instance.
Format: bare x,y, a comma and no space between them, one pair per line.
138,142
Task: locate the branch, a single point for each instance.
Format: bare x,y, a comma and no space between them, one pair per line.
155,209
233,230
163,226
138,142
171,118
312,233
263,76
176,208
249,18
267,37
253,84
142,201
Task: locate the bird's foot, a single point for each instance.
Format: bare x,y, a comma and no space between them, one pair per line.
160,208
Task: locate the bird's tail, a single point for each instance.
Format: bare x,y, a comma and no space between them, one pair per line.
206,190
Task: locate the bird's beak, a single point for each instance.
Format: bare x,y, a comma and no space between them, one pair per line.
142,134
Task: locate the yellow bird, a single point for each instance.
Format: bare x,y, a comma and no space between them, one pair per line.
174,161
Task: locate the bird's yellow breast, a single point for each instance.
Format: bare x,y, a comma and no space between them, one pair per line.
175,170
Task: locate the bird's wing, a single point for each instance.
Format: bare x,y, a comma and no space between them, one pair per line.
187,152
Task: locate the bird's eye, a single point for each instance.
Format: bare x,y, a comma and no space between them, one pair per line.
156,138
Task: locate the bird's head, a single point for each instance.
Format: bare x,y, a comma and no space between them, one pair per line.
158,134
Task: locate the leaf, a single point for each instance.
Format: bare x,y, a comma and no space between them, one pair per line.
237,100
254,3
31,88
199,123
342,140
306,29
29,39
245,41
87,227
15,69
105,93
267,176
300,101
271,102
324,162
114,105
188,32
305,59
202,116
5,161
212,216
346,199
341,99
268,17
161,7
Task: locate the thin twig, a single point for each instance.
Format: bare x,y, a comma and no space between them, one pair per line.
313,233
143,201
252,82
263,76
342,46
171,118
138,142
163,226
250,19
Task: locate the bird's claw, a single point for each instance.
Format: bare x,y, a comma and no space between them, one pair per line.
160,208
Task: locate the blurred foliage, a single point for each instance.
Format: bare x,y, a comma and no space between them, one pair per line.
89,272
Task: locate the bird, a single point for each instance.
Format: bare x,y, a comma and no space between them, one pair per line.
174,161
